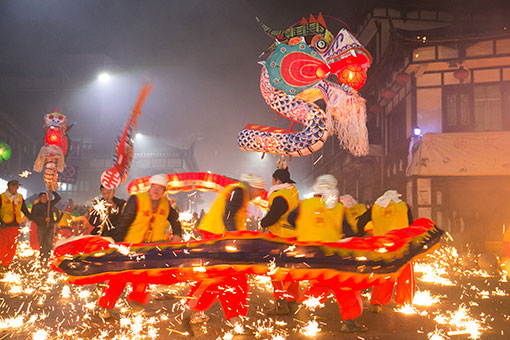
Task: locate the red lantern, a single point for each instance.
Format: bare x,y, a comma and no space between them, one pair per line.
375,108
461,74
388,93
402,78
353,75
53,137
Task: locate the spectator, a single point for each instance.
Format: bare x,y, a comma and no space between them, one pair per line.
106,218
46,219
12,205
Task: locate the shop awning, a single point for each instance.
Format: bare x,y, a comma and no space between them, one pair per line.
460,154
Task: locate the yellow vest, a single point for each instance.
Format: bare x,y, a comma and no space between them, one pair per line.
394,216
212,222
352,213
11,212
148,226
317,223
66,220
282,227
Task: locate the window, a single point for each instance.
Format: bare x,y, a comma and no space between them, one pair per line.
476,108
456,108
487,108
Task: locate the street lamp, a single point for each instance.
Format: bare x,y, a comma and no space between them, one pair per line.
417,131
103,77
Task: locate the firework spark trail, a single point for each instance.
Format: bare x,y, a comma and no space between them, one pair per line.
446,268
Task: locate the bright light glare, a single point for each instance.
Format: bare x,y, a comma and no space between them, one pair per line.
103,77
417,131
138,135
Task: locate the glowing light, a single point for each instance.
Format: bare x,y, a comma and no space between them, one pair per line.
312,303
406,309
230,249
185,216
41,334
103,77
25,173
310,329
200,269
425,298
437,335
66,292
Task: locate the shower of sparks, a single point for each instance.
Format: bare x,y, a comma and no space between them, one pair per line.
462,323
437,334
101,207
406,309
425,298
312,303
37,304
310,329
188,224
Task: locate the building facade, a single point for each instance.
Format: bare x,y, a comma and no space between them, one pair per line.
438,104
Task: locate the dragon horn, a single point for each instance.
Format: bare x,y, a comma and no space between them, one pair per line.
271,32
320,20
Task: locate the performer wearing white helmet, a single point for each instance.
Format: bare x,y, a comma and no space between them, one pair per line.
321,219
227,213
389,212
144,220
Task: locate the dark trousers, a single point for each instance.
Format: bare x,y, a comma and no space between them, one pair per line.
45,236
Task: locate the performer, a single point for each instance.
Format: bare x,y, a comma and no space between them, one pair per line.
389,212
353,210
227,213
12,205
45,223
320,219
283,198
105,222
144,220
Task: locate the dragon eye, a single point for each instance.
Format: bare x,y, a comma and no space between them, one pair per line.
51,117
321,45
